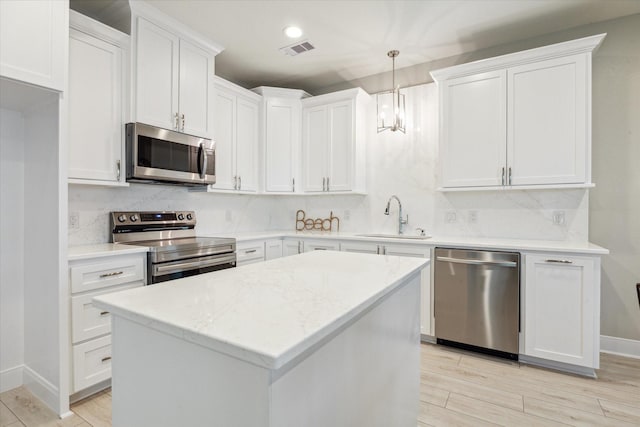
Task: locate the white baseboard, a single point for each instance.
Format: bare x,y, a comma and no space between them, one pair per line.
11,378
41,388
620,346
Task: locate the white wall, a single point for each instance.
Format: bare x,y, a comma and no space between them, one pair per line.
42,327
11,249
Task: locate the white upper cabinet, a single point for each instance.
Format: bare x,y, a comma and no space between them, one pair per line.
34,36
236,134
333,141
172,73
96,96
281,122
521,120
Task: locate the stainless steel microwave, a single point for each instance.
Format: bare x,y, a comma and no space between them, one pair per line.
156,155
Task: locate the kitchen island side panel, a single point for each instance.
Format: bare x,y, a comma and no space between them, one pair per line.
365,374
162,381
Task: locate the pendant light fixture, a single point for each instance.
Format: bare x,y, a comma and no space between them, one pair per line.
390,105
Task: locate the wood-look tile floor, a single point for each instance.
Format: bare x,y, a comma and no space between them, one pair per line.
458,388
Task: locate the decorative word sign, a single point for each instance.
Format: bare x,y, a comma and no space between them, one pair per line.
322,224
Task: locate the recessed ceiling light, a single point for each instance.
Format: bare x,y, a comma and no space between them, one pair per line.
293,32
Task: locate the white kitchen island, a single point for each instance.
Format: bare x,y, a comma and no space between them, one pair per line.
318,339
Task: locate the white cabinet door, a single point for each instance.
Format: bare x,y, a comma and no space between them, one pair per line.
315,148
341,146
157,75
281,144
561,309
473,141
547,122
193,105
224,137
247,129
33,41
292,247
359,247
96,119
272,249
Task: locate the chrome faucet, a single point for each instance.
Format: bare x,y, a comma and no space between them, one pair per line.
401,221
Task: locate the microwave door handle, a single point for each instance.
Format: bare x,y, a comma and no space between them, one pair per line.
202,156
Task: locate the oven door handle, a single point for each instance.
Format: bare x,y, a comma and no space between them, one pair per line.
193,264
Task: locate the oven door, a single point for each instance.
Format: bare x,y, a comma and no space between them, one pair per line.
156,154
165,271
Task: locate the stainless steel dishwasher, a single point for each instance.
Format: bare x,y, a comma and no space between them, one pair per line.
477,300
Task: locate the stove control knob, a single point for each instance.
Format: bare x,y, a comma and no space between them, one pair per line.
133,218
122,218
189,217
180,217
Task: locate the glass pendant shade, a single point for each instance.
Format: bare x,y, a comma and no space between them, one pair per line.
390,105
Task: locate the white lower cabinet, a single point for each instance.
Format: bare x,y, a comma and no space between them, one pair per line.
562,308
426,312
90,326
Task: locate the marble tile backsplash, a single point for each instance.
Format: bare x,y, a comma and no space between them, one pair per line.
400,164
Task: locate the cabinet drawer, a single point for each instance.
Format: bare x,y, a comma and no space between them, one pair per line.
251,252
91,362
88,321
114,271
321,245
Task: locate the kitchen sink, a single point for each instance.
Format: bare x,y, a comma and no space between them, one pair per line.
395,236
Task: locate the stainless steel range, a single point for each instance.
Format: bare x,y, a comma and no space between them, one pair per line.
174,249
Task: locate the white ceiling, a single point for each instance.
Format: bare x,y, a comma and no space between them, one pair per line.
352,37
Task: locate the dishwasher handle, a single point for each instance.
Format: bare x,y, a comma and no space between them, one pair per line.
510,264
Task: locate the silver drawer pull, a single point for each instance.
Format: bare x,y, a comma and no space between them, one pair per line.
115,273
104,313
250,251
559,261
106,359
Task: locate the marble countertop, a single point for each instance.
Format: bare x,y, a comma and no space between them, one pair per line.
101,250
267,313
587,248
463,242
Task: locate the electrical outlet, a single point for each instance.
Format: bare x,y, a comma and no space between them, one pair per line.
74,220
473,217
450,217
558,218
347,214
227,216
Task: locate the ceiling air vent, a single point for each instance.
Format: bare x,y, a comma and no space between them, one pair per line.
297,48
